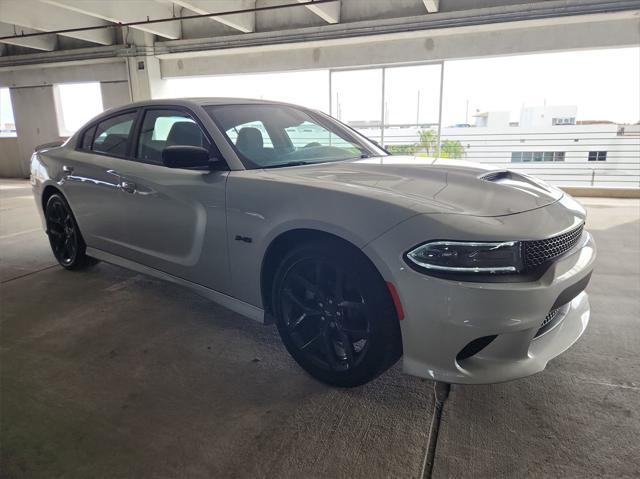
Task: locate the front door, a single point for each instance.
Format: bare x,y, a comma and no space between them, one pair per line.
175,219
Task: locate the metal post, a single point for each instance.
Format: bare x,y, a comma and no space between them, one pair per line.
440,108
382,113
330,94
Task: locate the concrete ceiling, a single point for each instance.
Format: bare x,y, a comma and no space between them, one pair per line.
306,33
25,17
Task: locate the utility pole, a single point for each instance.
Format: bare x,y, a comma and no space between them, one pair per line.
418,110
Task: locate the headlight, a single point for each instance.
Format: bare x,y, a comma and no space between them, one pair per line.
467,257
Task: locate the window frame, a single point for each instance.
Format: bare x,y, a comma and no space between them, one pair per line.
132,141
96,121
87,131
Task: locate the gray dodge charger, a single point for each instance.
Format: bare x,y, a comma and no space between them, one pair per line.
287,216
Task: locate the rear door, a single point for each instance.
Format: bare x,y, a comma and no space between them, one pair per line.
91,182
175,219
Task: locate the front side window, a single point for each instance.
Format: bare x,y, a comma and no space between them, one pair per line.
112,134
267,136
162,128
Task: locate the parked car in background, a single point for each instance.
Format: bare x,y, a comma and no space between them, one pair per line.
287,216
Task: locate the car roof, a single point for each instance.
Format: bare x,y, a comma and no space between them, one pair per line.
204,101
185,102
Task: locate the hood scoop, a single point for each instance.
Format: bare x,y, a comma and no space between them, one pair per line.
496,176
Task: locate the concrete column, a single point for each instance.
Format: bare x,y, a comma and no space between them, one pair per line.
144,71
115,94
34,111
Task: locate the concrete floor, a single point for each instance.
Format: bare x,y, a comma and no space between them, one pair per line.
107,373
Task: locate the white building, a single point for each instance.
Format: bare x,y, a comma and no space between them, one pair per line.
545,116
569,155
548,143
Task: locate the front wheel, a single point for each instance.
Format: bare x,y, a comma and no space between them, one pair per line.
65,238
335,315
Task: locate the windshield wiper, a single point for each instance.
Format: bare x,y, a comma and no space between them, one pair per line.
291,163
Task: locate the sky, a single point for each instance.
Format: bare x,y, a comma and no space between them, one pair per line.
603,84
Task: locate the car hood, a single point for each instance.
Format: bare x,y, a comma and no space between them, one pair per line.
430,185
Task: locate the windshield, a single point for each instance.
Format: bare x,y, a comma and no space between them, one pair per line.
270,136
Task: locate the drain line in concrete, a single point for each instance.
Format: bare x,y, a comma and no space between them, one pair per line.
441,393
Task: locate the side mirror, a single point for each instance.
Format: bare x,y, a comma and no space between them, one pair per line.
185,156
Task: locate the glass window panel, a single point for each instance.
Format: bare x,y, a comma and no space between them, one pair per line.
112,134
412,99
357,100
232,133
162,128
76,104
7,122
295,135
305,88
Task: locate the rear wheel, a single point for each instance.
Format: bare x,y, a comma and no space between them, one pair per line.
65,238
335,315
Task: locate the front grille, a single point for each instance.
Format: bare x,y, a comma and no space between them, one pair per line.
539,252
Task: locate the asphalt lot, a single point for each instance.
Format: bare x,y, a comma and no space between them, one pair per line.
107,373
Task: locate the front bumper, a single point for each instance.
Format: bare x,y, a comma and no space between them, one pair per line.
444,316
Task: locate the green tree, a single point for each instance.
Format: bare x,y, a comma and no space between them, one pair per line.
428,141
451,149
402,149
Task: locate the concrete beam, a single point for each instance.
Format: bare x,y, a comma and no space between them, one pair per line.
110,69
123,11
432,6
47,18
46,43
534,36
329,12
245,22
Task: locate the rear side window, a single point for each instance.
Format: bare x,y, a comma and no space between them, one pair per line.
112,135
87,138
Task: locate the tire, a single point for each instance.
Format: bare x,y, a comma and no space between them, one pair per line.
335,314
65,238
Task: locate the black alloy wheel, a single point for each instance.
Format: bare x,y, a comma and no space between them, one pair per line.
335,315
65,238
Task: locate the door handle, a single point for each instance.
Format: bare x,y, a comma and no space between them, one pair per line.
67,169
128,186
